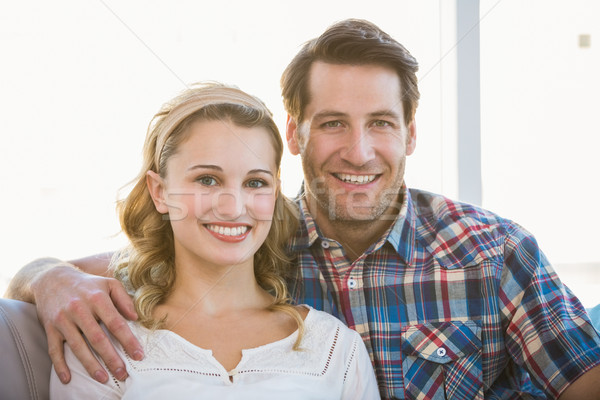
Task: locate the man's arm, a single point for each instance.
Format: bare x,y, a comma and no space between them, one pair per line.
586,387
19,287
70,301
541,304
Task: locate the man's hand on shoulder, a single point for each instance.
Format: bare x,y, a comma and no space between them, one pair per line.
70,304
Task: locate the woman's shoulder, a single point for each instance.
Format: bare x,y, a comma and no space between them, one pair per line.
315,316
320,325
162,347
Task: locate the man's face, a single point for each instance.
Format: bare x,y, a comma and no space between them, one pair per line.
353,142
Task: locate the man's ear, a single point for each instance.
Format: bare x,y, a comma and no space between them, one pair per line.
156,189
411,137
291,135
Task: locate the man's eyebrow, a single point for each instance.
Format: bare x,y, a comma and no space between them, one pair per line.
375,114
329,114
385,113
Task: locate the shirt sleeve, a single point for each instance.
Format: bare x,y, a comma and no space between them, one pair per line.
547,329
359,379
82,385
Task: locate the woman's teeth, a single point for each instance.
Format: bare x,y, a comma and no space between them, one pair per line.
227,231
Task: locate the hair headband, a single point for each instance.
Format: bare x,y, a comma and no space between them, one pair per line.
194,99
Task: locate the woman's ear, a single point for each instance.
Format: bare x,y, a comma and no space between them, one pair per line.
156,189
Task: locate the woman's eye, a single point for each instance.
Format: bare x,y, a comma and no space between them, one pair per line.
256,183
332,124
207,180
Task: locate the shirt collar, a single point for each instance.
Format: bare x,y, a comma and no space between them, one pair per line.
307,232
401,235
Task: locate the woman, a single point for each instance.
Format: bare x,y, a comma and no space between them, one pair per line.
207,224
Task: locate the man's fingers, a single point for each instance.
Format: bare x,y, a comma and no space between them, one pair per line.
118,326
73,316
122,300
82,351
121,331
97,338
56,352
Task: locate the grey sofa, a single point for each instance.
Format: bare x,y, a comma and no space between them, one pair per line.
24,362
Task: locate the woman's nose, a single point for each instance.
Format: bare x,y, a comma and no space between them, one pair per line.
229,205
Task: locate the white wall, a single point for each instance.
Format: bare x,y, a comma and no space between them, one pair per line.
540,131
540,127
79,82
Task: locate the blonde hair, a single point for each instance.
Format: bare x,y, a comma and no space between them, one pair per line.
147,266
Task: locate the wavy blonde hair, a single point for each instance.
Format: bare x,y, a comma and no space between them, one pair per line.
147,265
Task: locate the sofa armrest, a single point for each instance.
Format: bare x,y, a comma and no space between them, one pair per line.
594,314
24,363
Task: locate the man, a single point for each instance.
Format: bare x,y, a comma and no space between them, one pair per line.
452,301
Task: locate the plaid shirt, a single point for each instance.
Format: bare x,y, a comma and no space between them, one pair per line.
452,302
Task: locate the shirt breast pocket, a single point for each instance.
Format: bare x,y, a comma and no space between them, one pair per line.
442,360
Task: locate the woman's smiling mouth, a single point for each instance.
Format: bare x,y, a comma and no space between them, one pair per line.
235,233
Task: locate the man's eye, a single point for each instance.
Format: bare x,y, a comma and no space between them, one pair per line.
380,123
256,183
207,180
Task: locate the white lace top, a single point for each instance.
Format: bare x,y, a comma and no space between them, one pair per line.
333,364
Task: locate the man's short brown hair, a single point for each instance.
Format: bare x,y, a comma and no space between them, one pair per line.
352,42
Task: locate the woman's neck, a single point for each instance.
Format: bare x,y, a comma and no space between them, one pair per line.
215,290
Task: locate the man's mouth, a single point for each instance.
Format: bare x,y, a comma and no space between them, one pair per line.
356,179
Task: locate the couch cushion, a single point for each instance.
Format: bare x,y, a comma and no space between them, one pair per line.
24,363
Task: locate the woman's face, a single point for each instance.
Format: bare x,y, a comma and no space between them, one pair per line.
219,192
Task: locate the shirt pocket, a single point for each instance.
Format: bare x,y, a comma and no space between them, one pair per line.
442,360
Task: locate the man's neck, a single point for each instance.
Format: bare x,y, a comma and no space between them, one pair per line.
355,236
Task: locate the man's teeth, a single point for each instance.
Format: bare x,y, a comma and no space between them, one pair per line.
221,230
356,178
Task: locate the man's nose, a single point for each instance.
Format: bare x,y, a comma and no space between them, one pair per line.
230,205
358,149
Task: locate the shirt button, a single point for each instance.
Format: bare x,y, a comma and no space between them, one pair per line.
352,283
325,244
441,352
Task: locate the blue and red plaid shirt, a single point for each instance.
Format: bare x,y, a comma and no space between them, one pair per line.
452,302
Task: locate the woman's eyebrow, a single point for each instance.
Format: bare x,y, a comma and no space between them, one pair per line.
259,170
203,166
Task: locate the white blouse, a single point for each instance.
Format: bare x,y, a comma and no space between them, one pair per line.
333,363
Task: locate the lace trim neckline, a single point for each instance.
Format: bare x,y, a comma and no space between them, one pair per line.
284,341
166,350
